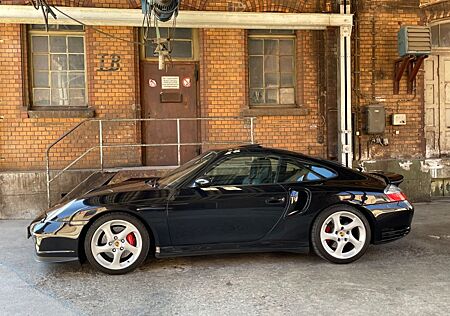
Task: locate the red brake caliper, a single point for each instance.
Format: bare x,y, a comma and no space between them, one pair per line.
328,230
131,239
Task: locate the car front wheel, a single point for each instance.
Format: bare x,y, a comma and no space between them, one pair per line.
340,234
116,243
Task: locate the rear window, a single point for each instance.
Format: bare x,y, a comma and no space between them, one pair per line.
296,171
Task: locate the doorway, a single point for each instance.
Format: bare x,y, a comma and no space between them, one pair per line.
168,95
437,105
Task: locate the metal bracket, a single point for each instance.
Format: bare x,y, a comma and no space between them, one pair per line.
412,65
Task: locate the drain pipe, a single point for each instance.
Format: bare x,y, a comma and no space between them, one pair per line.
345,150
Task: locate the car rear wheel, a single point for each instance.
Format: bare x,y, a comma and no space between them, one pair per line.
340,234
116,243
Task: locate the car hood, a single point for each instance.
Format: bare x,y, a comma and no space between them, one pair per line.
127,193
127,186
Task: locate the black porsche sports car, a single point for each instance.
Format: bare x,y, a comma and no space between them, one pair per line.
244,199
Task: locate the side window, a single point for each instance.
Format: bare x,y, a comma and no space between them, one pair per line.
244,170
291,171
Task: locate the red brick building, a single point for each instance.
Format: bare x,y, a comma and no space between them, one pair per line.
285,79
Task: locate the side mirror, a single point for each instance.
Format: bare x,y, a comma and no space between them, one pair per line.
203,182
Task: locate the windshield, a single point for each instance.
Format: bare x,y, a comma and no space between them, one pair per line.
178,175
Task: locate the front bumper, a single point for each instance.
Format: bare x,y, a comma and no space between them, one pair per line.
392,220
55,241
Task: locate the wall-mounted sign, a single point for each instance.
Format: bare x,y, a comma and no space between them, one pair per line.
170,82
152,83
109,62
187,82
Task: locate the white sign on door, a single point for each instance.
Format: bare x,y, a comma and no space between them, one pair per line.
170,82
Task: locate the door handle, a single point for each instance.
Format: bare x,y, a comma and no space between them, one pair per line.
275,200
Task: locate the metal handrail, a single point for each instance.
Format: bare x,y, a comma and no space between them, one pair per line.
101,146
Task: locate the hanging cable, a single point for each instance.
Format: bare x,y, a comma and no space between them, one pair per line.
156,10
46,10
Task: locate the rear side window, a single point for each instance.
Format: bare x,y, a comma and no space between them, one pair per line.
296,171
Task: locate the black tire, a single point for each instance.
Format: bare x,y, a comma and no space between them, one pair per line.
124,217
317,225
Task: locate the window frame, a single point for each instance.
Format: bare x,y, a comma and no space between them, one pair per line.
30,32
229,157
438,49
194,40
271,34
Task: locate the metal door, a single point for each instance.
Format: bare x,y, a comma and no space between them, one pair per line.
164,95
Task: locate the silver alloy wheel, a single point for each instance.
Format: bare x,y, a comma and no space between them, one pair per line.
343,235
111,247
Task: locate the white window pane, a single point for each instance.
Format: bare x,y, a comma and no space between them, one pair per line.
182,33
58,62
287,80
256,71
40,79
255,47
76,80
76,44
286,64
257,96
76,62
60,97
58,44
287,96
77,97
444,35
271,47
181,49
270,64
41,97
271,80
40,62
435,35
40,44
272,96
286,47
59,80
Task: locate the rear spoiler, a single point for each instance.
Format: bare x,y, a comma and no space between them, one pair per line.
388,177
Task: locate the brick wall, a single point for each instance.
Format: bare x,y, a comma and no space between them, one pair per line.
23,140
223,90
388,16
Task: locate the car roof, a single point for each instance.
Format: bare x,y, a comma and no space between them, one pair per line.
257,148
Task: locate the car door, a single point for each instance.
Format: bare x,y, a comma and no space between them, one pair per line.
241,204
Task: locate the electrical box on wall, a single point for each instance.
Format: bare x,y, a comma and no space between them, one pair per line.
376,119
398,119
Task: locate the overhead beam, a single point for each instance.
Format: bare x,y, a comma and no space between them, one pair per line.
23,14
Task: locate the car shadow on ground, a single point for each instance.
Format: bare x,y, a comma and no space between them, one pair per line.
380,255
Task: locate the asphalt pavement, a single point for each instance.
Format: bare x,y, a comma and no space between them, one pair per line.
406,277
